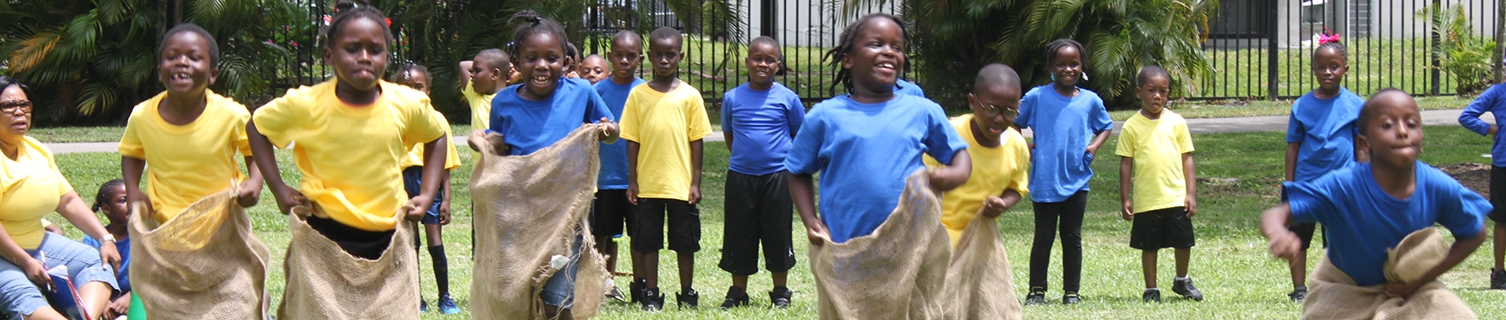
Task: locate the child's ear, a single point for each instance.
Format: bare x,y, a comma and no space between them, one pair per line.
846,62
1361,149
214,73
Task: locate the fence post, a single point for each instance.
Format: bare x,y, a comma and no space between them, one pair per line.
1435,71
1500,65
1272,52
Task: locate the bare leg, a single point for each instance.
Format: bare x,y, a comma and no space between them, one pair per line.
740,281
779,278
555,312
1148,266
432,234
638,263
95,296
650,269
687,271
1182,256
1299,270
606,247
1500,245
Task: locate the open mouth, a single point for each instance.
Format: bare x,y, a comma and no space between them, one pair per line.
180,77
540,81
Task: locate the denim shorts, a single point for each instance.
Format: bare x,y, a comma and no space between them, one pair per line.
559,290
21,297
412,179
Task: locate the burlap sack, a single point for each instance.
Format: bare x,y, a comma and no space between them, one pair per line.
1334,295
325,282
978,281
529,209
203,264
896,272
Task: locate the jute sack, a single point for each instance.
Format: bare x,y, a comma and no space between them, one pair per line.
325,282
978,280
205,263
529,210
1334,295
896,272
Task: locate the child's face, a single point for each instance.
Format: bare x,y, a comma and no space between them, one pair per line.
995,107
358,53
665,55
626,55
763,63
594,69
416,80
1153,94
1329,67
1394,133
876,56
185,66
116,209
1067,67
484,76
541,61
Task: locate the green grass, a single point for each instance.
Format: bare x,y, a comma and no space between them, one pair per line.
1230,261
1373,64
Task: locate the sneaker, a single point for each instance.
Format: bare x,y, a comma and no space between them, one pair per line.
781,297
614,294
652,300
1187,290
1298,294
1071,298
736,297
423,306
447,304
635,289
1498,280
1036,296
688,299
1151,295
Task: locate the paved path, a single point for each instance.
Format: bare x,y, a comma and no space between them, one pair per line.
1203,125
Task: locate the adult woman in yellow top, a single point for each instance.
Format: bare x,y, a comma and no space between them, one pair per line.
31,186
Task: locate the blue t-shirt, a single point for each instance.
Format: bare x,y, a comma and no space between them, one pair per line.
1326,130
1060,165
1362,220
864,152
761,124
1493,101
528,125
905,87
123,246
614,166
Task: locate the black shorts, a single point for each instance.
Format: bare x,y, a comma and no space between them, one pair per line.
610,212
1165,228
684,226
360,243
1304,230
758,210
1498,194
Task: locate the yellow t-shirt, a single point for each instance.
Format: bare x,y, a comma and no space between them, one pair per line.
415,157
30,187
1006,167
663,124
349,155
189,162
481,107
1158,181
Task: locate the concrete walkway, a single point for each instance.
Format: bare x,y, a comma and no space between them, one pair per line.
1203,125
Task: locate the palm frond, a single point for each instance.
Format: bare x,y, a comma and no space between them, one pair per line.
94,98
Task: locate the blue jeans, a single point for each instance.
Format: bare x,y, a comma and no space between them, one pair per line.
22,297
559,290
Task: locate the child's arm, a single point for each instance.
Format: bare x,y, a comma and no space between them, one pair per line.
993,206
434,156
132,168
1191,172
950,176
1098,140
266,162
465,76
632,158
695,173
1283,243
251,188
1461,249
444,202
1291,159
803,194
1127,208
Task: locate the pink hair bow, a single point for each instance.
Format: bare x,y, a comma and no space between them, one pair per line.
1327,38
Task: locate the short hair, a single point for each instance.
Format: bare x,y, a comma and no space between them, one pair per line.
494,57
1367,113
848,41
996,74
356,11
667,33
7,81
214,47
628,35
593,55
100,197
1150,71
402,74
766,40
1058,44
534,24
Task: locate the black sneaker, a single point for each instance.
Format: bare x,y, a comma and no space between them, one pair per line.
1299,294
1187,290
1498,280
635,289
781,297
615,295
688,299
1071,298
736,297
1036,296
652,300
1151,295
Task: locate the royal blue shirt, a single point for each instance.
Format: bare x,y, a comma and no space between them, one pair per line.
1362,220
614,166
123,246
1326,130
528,125
1060,165
1493,101
864,152
761,124
905,87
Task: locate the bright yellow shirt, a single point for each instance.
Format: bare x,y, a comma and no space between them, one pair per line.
30,187
481,107
1005,167
349,155
663,124
415,157
188,162
1158,180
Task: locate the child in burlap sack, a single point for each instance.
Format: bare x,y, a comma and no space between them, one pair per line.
1370,207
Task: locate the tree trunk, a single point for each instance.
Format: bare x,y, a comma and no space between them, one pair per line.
1500,42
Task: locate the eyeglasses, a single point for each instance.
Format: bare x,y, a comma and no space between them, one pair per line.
994,111
11,106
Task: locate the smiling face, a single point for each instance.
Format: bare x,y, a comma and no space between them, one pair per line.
358,53
185,67
1152,94
876,56
1329,68
15,113
763,63
594,69
541,62
1393,134
625,56
665,54
1067,66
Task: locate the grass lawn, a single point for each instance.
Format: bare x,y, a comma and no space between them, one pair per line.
1230,261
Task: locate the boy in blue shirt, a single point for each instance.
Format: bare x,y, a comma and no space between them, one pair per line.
611,210
1369,207
1493,101
761,116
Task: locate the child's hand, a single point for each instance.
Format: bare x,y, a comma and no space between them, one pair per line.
993,206
420,206
118,307
1127,210
695,193
610,132
1191,205
817,235
287,198
444,211
632,193
1285,245
250,193
134,198
1401,290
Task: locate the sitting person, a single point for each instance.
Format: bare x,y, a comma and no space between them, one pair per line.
111,201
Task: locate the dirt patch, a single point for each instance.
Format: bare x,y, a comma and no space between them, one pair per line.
1475,176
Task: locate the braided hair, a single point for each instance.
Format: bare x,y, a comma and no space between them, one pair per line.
534,24
1058,44
1336,46
848,42
103,196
